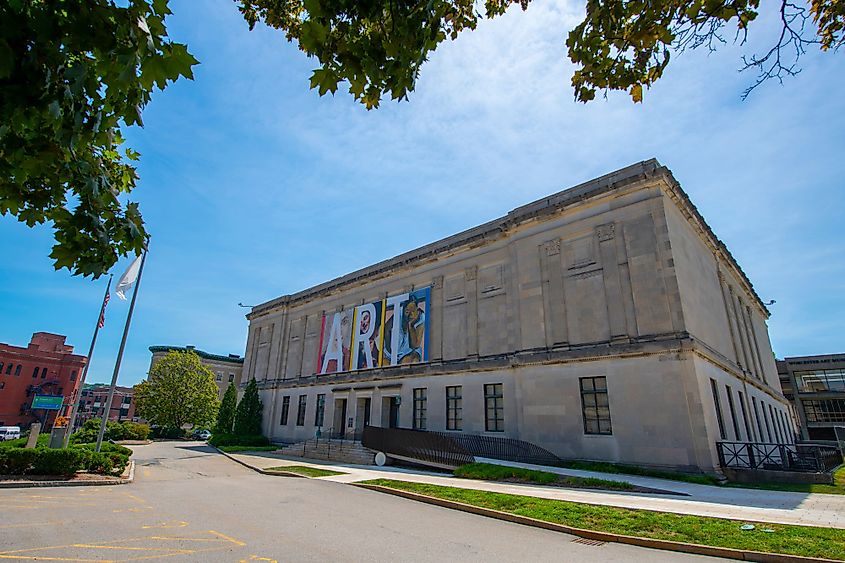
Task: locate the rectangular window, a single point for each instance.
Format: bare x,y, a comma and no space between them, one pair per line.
733,413
825,410
420,404
17,370
494,407
35,372
43,373
454,408
718,405
595,405
1,367
219,376
9,369
285,411
319,414
300,413
757,416
766,421
745,417
821,380
231,378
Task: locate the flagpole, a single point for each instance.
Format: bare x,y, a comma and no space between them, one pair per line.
107,408
75,404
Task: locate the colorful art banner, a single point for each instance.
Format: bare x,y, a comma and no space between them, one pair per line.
384,333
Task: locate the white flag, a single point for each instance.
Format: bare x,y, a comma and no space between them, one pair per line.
128,278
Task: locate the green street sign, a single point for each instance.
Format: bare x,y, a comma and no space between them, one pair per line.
47,402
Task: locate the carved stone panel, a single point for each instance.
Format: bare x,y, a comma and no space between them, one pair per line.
455,289
581,252
294,359
312,340
586,308
491,280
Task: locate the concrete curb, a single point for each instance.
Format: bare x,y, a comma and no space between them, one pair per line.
258,469
31,484
666,545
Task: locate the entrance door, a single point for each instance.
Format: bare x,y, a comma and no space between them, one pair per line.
339,417
367,404
362,414
394,413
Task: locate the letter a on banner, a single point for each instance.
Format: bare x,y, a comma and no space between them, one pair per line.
334,346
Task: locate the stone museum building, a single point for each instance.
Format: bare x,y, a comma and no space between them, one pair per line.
603,322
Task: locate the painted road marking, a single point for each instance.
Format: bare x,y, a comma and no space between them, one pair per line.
172,524
152,547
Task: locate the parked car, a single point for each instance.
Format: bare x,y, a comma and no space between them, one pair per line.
9,433
201,434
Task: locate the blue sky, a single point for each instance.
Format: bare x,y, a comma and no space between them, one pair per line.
253,186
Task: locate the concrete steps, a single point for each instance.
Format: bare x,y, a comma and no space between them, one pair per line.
344,451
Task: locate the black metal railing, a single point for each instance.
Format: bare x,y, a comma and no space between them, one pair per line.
452,448
420,445
506,449
778,457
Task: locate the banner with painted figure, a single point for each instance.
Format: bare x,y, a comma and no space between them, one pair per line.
406,328
335,339
365,337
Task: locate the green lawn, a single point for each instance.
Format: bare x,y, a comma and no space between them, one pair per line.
791,540
493,472
306,470
236,449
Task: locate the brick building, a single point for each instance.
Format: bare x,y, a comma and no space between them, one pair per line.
93,399
47,366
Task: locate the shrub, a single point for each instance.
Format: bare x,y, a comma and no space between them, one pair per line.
136,431
114,431
218,440
248,413
41,461
167,433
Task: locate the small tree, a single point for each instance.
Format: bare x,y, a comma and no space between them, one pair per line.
248,414
179,391
226,415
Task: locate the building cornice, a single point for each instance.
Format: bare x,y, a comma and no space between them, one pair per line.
200,353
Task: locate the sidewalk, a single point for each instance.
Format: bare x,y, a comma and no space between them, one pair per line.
776,507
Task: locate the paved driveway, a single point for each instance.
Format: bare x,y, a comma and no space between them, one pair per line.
189,503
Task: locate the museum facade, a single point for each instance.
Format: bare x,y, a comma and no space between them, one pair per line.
604,322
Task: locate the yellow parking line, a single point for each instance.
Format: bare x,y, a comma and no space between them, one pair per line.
233,540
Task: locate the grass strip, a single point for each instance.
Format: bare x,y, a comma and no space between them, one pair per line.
618,468
306,470
493,472
236,449
805,541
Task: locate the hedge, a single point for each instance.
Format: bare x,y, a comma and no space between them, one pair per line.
114,431
233,440
112,460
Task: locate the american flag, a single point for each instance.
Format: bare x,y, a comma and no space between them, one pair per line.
102,322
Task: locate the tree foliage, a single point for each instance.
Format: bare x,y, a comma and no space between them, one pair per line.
72,72
226,414
248,414
378,46
179,391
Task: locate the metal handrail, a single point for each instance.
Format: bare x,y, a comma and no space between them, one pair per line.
777,457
